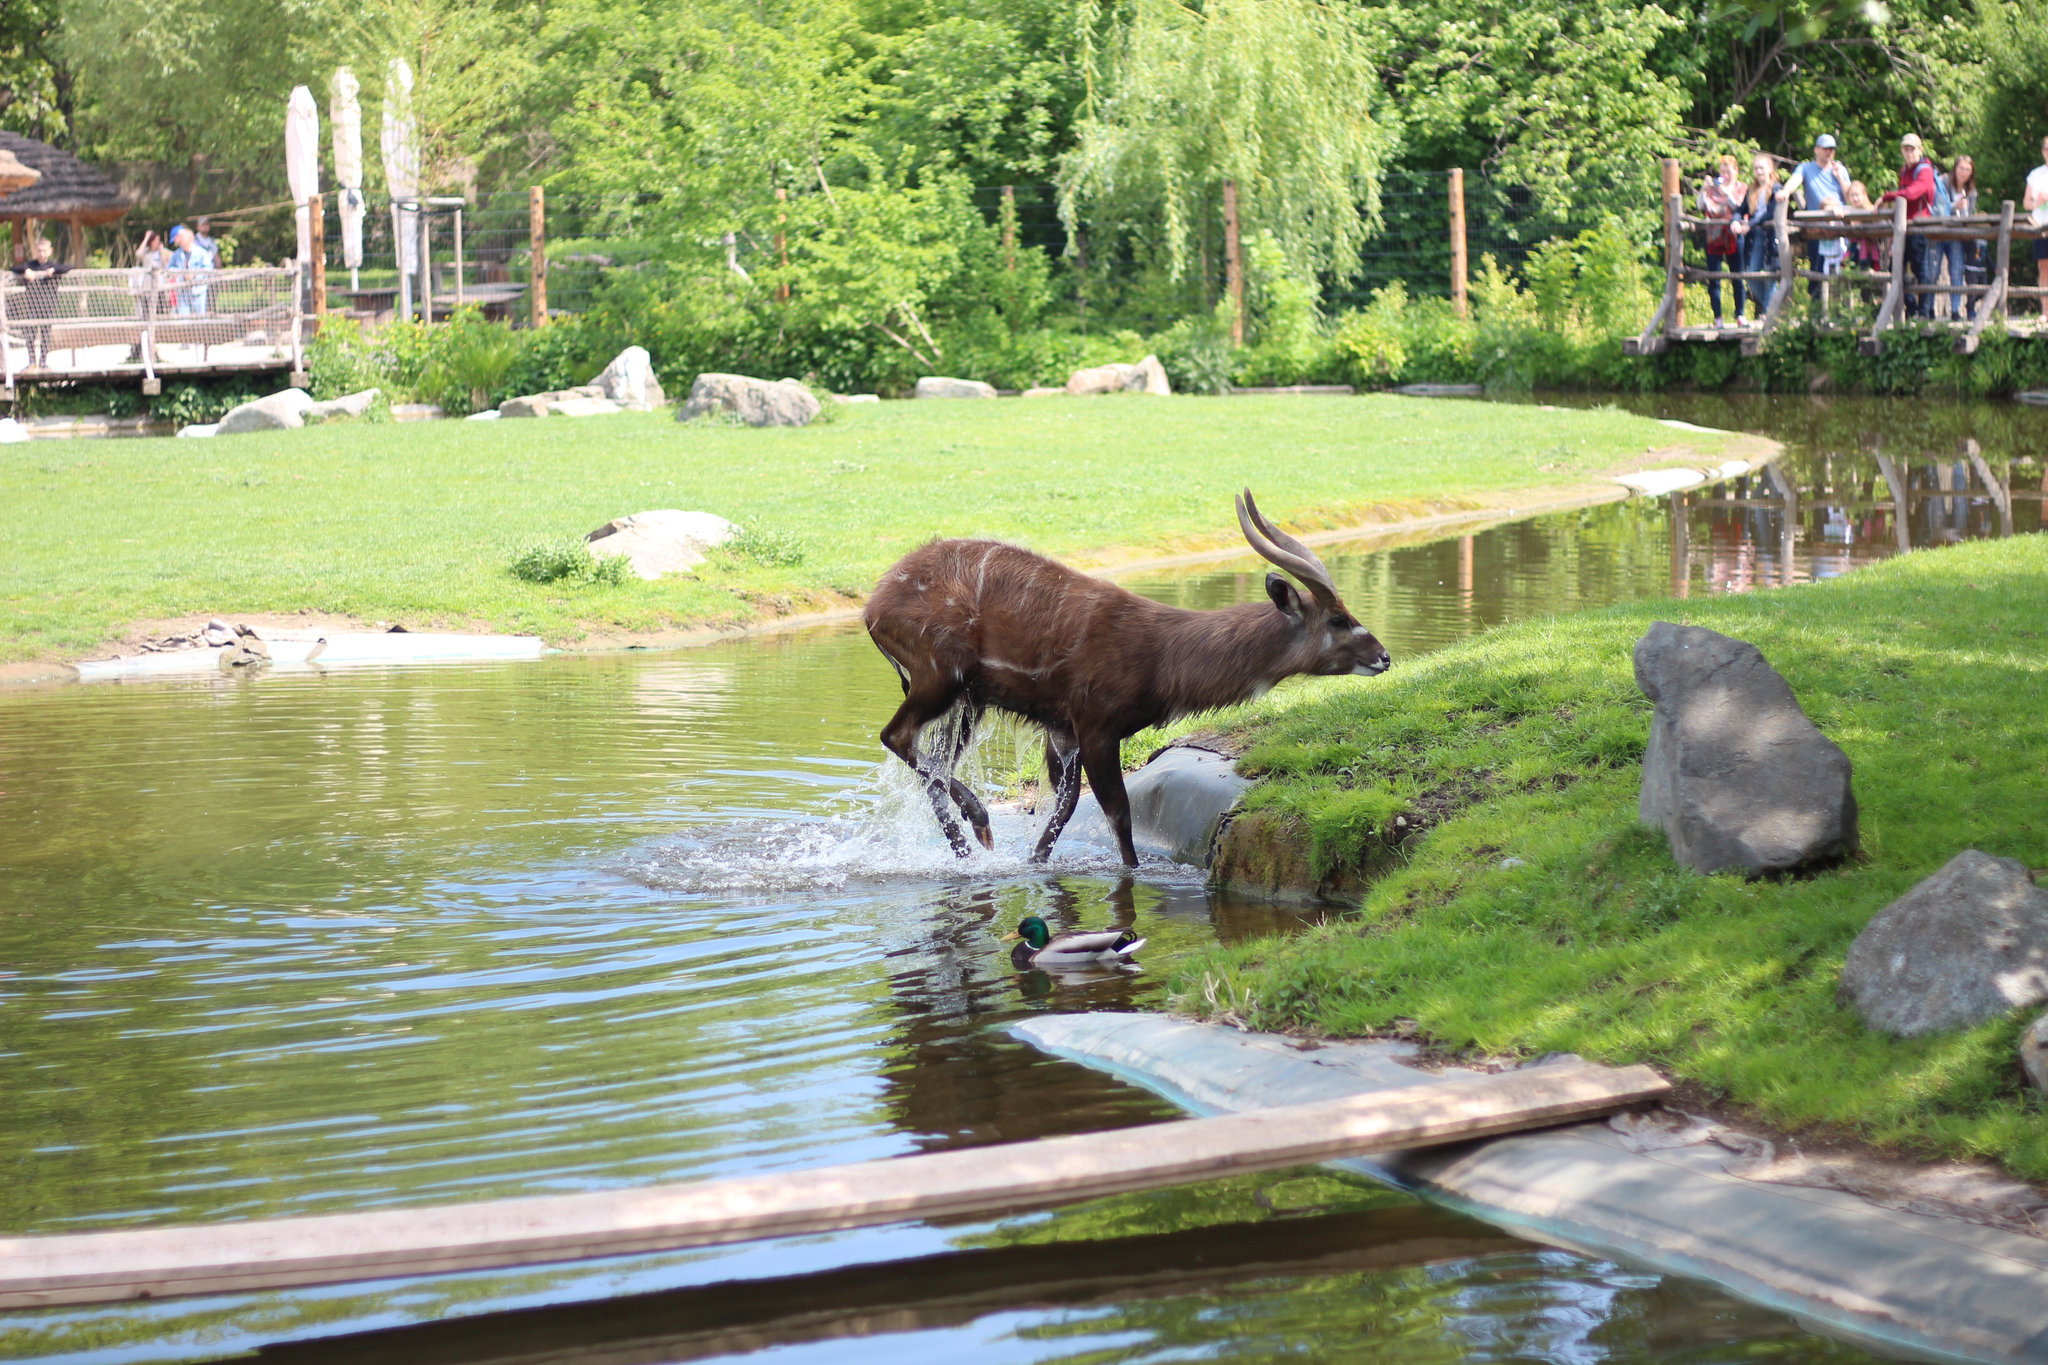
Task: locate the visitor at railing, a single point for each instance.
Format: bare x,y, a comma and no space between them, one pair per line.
1916,187
1756,226
1720,199
36,304
191,260
2036,206
1962,261
1864,253
1817,184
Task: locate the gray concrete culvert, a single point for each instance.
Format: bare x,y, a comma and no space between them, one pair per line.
1874,1270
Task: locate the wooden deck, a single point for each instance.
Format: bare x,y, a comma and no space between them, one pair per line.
1889,287
151,1263
96,326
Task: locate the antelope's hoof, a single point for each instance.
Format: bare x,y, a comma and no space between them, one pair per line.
987,837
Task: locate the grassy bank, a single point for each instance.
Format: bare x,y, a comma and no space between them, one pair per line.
1931,671
420,523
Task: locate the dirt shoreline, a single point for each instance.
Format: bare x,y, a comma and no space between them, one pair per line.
1476,512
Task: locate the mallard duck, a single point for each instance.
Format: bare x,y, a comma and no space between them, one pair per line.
1102,947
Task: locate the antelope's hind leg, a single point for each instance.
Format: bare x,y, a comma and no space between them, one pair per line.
963,795
1063,769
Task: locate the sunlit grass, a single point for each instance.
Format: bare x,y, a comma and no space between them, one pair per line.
1930,670
420,523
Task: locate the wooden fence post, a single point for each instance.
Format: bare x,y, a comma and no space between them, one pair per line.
1010,228
316,240
537,244
1458,241
1674,238
782,245
1233,263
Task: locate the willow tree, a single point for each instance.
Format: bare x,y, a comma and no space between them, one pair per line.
1271,96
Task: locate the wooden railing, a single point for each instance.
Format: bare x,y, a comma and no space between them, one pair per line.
1989,301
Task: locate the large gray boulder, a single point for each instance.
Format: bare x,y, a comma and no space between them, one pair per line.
1735,772
1147,376
661,542
1968,944
940,386
282,411
629,381
757,402
2034,1054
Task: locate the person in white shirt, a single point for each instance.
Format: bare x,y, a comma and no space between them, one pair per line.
2036,206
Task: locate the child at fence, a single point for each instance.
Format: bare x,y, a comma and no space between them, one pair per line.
1756,225
36,304
1864,252
1720,198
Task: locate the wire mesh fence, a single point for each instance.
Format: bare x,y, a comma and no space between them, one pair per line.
589,237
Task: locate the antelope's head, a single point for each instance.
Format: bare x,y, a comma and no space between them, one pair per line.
1332,641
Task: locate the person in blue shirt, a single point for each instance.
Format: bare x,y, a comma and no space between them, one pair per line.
1821,182
190,258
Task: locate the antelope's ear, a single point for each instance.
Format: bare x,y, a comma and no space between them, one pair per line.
1284,596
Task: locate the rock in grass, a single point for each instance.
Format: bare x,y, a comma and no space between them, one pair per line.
12,432
757,402
939,386
661,542
348,405
629,381
530,405
1735,773
1968,944
2034,1054
1147,376
281,411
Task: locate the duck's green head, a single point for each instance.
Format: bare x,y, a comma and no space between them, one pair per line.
1033,931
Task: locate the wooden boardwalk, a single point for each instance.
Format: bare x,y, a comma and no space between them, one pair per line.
149,1263
1890,285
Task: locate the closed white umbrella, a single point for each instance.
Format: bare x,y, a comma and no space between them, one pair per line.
302,160
401,149
345,115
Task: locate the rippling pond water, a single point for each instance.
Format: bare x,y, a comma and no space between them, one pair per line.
302,944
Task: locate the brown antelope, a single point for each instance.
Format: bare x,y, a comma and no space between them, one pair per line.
971,624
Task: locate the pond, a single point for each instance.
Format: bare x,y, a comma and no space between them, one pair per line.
311,943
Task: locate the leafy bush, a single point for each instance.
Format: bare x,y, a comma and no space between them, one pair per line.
569,559
1196,352
782,549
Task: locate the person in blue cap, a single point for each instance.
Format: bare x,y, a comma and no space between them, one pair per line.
188,256
1822,182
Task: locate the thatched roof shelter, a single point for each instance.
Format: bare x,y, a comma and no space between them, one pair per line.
69,192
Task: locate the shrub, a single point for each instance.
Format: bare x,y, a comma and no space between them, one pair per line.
763,546
569,559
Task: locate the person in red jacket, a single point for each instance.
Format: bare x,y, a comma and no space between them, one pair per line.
1916,187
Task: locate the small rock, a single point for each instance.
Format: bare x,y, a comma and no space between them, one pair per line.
284,410
661,542
532,405
1153,375
12,431
1147,376
940,386
1969,943
1506,863
1040,392
2034,1053
629,381
487,415
580,406
348,405
757,402
199,430
1735,772
856,398
218,636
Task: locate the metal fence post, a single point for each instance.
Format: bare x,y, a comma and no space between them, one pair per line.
537,238
299,378
398,259
6,356
1458,241
151,385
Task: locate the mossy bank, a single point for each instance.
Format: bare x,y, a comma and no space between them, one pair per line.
1480,804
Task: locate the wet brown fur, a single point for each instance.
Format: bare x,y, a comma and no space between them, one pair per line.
978,623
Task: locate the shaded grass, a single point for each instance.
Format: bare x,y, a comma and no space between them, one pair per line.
420,523
1931,671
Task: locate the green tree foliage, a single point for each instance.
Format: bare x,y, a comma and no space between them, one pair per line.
35,83
2013,113
1271,94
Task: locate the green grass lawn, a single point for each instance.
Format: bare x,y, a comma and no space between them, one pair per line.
418,523
1931,671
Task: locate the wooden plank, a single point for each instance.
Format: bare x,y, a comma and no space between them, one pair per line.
107,1267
